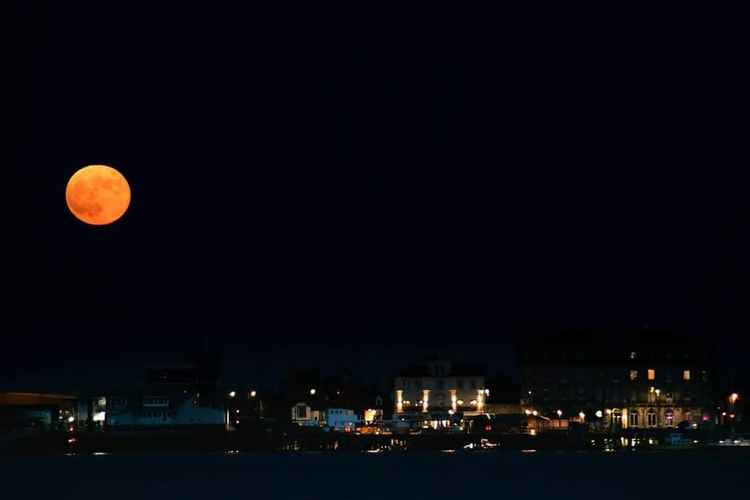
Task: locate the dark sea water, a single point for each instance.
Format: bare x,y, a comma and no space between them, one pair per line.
548,475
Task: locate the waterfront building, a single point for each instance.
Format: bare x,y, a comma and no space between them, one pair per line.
439,393
160,411
639,380
305,415
340,419
36,409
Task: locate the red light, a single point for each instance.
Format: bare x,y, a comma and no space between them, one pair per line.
71,440
488,428
70,429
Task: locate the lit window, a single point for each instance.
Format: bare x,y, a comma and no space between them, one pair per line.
633,374
651,416
686,375
669,417
633,418
651,374
633,355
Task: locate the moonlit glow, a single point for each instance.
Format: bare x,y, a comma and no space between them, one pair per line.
97,195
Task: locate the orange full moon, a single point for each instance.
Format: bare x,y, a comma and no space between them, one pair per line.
98,194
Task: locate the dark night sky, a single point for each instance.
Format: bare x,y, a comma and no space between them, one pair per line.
311,190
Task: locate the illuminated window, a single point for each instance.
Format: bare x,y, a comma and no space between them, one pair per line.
633,355
633,374
633,418
651,417
651,374
686,375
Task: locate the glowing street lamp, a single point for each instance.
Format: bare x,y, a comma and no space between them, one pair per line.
559,413
253,394
312,392
599,414
232,394
734,397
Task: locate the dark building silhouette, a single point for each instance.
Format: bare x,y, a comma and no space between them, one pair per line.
643,379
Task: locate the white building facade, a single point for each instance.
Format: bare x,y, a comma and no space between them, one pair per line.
438,387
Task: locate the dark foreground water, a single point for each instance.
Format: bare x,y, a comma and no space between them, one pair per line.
548,475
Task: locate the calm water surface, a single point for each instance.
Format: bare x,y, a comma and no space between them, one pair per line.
363,476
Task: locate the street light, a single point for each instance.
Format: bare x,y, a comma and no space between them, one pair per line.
312,392
559,413
232,394
253,394
734,397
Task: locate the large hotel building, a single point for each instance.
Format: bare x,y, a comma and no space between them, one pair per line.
642,380
438,390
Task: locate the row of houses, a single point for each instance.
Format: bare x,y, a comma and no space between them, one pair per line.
641,381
